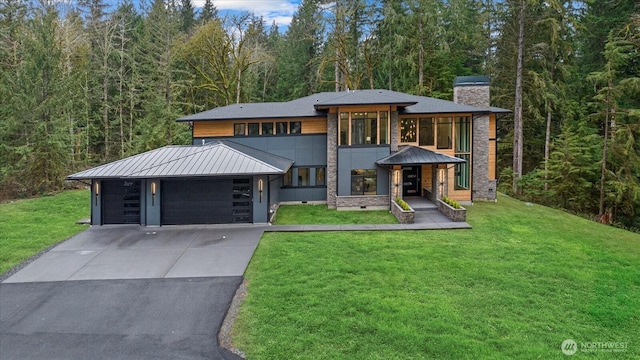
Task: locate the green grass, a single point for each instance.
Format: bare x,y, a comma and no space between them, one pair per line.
29,226
321,215
523,280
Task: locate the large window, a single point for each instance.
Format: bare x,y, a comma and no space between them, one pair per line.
344,128
408,130
463,134
463,151
364,128
462,173
426,132
384,127
364,182
444,133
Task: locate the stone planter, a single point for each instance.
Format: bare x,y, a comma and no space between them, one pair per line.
451,213
403,216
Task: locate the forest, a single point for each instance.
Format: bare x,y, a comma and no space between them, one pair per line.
89,81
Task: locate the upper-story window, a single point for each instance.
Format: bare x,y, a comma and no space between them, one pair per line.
408,131
267,128
445,128
254,129
364,128
238,130
428,131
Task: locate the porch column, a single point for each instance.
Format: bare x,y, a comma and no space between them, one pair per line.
439,181
396,181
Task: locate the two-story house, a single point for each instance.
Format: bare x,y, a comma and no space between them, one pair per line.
351,150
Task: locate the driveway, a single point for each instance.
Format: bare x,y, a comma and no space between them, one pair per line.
136,252
127,292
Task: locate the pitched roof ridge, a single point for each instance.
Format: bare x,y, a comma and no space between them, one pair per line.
205,147
224,142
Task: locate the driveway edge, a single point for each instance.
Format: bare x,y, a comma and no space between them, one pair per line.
225,340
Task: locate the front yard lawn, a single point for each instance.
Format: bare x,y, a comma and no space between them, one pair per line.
29,226
321,215
522,281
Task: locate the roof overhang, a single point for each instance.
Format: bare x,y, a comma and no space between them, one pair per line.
220,158
413,155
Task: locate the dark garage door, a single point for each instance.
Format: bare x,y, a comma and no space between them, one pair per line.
121,202
210,201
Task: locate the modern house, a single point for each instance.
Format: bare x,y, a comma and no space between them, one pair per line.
350,150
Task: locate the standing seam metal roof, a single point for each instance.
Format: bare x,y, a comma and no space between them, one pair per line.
218,158
413,155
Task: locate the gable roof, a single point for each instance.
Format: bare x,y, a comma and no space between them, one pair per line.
218,158
316,105
413,155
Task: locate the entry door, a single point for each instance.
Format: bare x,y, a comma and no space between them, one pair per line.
411,181
121,202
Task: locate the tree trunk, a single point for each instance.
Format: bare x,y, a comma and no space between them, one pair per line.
420,55
517,118
547,140
605,145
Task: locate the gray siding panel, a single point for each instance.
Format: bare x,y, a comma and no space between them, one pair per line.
302,149
352,158
303,194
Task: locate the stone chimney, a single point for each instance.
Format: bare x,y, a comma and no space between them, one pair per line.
474,91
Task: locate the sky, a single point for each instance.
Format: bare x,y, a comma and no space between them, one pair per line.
280,11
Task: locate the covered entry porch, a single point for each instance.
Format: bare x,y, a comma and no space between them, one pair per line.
418,172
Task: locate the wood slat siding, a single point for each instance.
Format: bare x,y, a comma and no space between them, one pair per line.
225,127
492,160
212,128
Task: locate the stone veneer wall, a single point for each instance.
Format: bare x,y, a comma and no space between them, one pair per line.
332,160
358,201
395,131
479,96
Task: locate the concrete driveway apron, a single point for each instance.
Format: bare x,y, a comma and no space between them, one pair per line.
127,292
135,252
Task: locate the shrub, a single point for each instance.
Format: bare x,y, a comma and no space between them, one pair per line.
403,204
454,204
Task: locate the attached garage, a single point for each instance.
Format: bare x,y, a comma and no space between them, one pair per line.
206,201
222,182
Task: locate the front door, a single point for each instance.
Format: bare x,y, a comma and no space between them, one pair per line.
411,181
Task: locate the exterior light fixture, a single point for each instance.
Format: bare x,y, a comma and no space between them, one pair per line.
96,190
260,184
153,193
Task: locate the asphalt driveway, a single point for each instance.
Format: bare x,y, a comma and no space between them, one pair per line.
127,292
115,319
